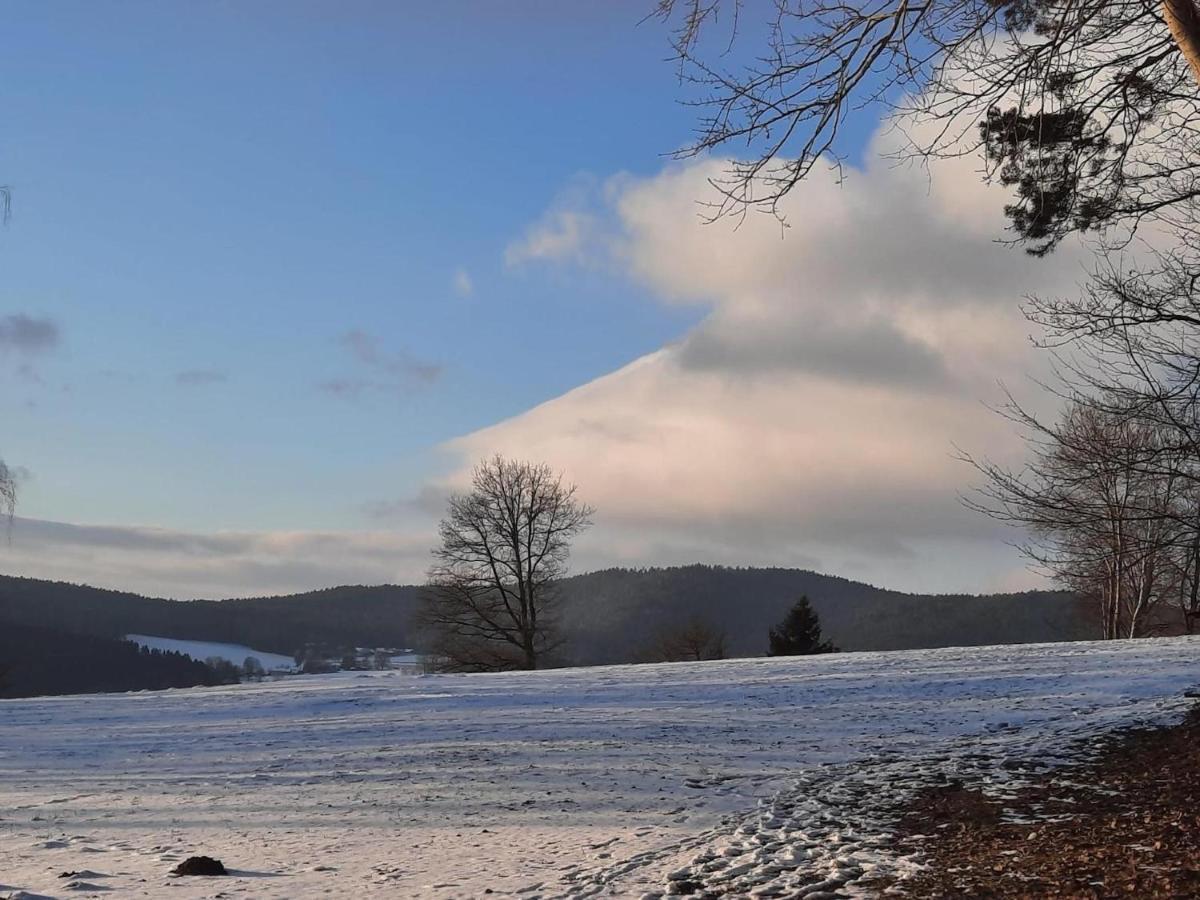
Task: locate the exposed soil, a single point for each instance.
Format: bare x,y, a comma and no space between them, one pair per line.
1124,824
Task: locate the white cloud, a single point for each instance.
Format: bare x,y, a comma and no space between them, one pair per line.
812,417
462,283
391,371
562,235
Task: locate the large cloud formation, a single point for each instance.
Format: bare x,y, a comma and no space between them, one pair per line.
812,417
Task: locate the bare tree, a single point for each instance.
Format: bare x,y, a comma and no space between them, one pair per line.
1134,337
1102,509
693,640
1088,109
491,601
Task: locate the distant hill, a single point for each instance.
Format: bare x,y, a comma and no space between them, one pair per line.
352,616
614,614
608,616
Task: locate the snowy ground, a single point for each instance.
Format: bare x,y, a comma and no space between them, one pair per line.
755,777
202,650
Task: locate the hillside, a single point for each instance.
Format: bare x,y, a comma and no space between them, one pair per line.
352,615
608,616
615,614
37,661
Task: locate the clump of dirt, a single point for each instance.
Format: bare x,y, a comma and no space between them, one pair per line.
1124,824
200,865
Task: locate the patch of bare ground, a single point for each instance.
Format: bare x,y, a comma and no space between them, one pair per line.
1126,823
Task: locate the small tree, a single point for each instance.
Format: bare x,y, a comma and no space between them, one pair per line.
799,634
492,594
696,640
253,668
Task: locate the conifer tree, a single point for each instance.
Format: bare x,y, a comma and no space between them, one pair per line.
799,633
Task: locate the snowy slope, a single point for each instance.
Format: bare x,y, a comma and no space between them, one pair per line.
202,650
739,775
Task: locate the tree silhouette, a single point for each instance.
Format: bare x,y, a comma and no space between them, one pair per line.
1087,109
493,588
799,634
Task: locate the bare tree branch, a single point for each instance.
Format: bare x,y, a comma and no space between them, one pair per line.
1088,109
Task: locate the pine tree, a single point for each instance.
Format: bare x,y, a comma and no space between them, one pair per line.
799,633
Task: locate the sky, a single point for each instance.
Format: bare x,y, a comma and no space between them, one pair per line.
278,274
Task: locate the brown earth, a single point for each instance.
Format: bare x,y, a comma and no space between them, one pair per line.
1124,824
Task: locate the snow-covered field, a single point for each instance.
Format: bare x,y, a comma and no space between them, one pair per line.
757,777
202,650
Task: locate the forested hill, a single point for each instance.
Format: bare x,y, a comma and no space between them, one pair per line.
608,616
36,661
617,613
342,616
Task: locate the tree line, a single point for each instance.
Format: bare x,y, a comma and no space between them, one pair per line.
37,661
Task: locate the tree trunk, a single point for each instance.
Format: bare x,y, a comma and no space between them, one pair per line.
1183,18
1189,613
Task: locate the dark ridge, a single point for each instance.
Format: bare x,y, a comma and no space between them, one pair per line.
608,616
36,661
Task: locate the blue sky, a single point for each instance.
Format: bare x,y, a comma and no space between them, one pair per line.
232,187
271,239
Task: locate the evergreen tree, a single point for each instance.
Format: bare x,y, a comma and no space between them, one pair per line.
799,633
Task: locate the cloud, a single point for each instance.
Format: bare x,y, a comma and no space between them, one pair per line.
27,335
367,350
200,377
389,372
812,417
561,235
347,387
870,351
462,283
189,565
429,501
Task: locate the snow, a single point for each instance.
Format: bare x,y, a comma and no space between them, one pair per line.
202,650
768,777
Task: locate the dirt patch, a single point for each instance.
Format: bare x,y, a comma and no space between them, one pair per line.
1124,824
